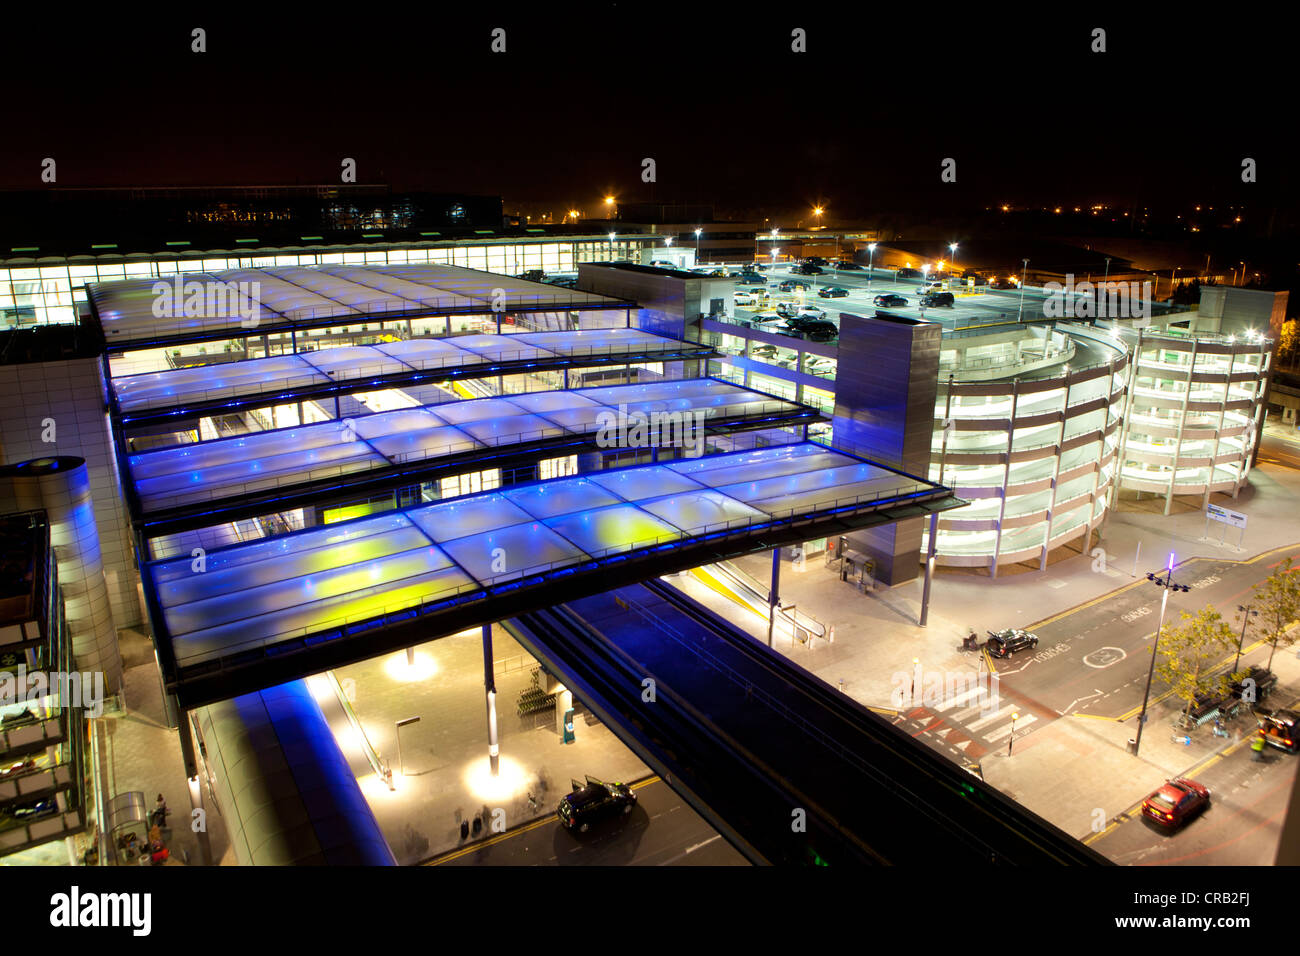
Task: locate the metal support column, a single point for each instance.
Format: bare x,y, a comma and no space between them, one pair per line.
489,683
931,549
1129,398
771,594
1056,474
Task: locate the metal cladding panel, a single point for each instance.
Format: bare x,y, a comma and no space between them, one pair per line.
885,389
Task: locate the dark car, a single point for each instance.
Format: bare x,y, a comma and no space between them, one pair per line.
750,278
814,261
807,269
849,267
790,285
909,274
1282,730
937,298
1176,802
1007,643
815,330
533,275
594,801
889,299
37,808
833,292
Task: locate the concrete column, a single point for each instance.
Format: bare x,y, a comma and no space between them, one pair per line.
1006,475
772,599
929,568
1182,424
489,683
1125,425
1056,474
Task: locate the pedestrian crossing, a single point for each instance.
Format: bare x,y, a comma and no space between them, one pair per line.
970,724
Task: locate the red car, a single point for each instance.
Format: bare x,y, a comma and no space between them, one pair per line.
1176,802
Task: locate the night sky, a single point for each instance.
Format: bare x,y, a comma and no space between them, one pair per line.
730,114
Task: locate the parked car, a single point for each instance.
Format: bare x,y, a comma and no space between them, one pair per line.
908,274
790,285
1176,802
814,261
594,801
807,270
934,299
929,285
1007,643
849,267
833,292
1282,730
747,278
533,275
815,330
889,300
758,266
744,298
767,320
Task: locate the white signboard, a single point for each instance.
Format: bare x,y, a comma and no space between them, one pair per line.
1234,518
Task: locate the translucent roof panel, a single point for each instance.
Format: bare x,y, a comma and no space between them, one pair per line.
500,348
355,361
210,382
561,497
230,468
764,462
600,341
305,297
496,556
319,579
429,353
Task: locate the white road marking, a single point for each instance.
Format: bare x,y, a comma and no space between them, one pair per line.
1006,731
692,849
984,721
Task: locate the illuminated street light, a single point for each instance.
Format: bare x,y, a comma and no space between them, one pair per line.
871,254
668,241
1012,739
1167,583
611,247
697,245
1020,317
952,247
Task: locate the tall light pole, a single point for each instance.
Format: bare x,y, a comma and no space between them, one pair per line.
871,254
952,247
697,245
1167,582
1012,739
611,247
1024,272
1246,611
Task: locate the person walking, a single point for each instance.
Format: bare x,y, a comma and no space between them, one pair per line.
1257,746
160,811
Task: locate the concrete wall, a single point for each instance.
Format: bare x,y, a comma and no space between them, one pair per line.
71,395
1234,311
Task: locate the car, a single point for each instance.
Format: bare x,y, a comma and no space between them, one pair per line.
757,266
791,285
1282,730
594,801
1007,643
767,320
815,330
814,261
1003,284
833,292
1176,802
748,278
533,275
807,270
849,267
744,298
811,312
929,285
663,264
937,298
908,274
36,808
889,300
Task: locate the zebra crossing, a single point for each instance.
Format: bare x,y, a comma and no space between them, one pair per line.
969,724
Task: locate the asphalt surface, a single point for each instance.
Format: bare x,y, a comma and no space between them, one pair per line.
661,831
1090,661
1241,826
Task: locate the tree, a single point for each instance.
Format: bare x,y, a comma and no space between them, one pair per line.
1189,653
1277,599
1286,347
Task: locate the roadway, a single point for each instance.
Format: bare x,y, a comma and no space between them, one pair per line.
661,831
1091,661
1241,827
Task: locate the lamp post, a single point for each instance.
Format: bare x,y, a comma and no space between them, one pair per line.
871,254
1020,317
1246,611
611,247
697,245
952,247
1167,583
916,663
1015,715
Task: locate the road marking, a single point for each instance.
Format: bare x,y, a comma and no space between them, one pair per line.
985,721
692,849
1077,699
1003,732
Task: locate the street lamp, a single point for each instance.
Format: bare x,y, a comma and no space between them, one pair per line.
952,247
697,245
609,206
611,247
871,254
1167,583
1015,715
1020,317
1246,611
916,663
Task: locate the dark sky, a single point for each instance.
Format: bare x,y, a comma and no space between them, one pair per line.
730,114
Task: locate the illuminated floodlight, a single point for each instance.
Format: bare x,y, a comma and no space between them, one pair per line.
406,670
510,782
